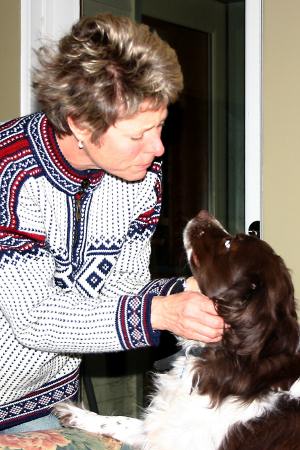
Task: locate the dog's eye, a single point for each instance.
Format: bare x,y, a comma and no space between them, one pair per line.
251,291
227,243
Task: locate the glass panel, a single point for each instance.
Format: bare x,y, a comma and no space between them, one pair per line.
204,133
187,142
235,61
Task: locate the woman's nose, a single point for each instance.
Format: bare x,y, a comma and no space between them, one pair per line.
155,145
158,147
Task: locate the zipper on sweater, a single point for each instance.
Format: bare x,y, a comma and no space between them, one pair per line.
78,203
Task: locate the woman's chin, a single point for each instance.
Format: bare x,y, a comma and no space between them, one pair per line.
137,175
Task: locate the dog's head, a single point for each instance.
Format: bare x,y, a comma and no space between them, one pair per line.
251,288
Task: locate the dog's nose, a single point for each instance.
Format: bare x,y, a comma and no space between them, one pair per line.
204,215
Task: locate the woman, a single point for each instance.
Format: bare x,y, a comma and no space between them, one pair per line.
80,200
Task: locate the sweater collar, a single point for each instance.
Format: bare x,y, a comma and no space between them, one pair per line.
56,168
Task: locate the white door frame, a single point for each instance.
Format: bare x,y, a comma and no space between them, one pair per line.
253,112
41,20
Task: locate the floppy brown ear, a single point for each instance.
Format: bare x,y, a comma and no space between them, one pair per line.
247,325
262,315
281,310
258,350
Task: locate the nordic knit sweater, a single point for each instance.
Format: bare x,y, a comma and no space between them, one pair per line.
74,277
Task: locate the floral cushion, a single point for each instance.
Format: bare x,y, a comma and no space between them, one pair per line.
62,438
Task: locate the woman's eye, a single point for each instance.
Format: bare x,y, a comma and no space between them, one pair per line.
137,138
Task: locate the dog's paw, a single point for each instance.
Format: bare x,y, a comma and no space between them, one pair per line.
73,416
124,429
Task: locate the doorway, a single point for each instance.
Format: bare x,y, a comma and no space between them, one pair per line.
204,165
204,159
186,137
205,131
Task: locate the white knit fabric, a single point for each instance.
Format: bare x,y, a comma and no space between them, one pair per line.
68,286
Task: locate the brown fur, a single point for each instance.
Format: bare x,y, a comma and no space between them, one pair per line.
259,352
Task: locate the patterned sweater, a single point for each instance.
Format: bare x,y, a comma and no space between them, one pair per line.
74,277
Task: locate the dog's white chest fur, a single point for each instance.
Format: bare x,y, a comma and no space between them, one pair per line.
180,418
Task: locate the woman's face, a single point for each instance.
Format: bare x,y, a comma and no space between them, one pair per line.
128,147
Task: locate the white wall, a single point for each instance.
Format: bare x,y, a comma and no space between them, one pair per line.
281,130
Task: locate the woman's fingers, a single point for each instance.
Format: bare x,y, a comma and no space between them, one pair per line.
187,314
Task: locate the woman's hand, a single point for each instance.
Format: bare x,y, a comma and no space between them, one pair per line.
188,314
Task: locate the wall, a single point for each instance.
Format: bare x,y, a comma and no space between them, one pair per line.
10,67
281,131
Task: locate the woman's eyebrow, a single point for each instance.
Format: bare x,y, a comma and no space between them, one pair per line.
163,119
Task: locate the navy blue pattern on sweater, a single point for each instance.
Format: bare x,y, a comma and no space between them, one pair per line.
69,283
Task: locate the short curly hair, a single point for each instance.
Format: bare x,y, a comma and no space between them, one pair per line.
103,71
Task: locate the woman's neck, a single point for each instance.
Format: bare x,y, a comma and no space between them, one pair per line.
75,156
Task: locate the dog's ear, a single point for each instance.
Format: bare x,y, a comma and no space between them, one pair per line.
284,337
237,305
259,306
253,292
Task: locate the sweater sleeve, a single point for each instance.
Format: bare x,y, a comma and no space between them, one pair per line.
131,275
137,327
46,317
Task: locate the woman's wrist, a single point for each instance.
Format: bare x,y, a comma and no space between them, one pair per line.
157,307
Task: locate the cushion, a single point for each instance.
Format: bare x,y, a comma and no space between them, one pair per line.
59,439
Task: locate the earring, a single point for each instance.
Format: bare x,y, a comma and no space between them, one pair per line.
80,145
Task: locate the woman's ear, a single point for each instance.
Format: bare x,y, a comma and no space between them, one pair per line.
81,133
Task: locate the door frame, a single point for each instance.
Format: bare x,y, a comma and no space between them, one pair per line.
253,112
41,20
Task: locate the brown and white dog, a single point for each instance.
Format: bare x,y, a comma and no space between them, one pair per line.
241,393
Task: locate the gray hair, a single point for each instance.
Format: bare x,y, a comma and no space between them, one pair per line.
103,71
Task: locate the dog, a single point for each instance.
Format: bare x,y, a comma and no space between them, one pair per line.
242,393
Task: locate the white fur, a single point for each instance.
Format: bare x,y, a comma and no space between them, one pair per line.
178,418
295,388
